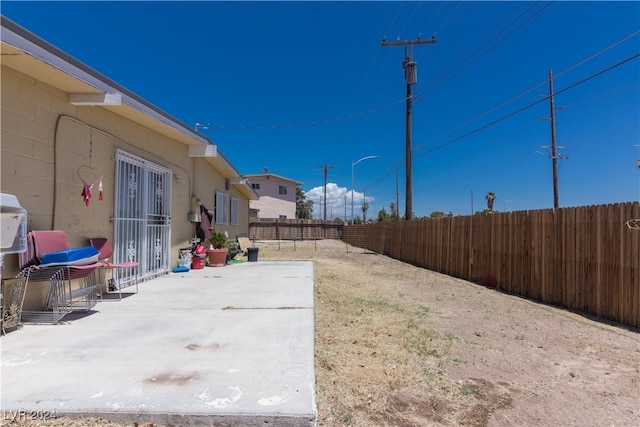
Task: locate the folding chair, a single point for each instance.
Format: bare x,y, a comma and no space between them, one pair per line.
105,252
62,298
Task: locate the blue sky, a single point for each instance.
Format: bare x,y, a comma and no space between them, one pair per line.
293,86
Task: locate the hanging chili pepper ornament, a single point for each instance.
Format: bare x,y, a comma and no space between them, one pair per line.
86,193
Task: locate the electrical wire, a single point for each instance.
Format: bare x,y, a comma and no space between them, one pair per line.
450,76
424,30
417,99
526,107
391,171
580,82
488,144
448,18
346,117
589,58
584,80
601,95
460,59
384,65
506,116
380,69
311,123
531,89
410,18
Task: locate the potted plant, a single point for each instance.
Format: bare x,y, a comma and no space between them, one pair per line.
217,253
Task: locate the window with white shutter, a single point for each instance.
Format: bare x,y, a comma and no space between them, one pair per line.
222,204
233,213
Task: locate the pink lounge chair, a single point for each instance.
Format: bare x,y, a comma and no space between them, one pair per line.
105,252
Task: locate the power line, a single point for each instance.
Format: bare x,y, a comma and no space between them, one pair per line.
417,99
486,34
384,65
601,51
506,116
435,15
542,83
446,20
543,99
410,18
388,172
452,75
526,107
471,153
303,124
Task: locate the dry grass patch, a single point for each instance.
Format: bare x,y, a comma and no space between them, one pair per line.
398,345
377,359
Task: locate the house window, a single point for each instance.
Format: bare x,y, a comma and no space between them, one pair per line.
282,190
222,207
255,186
233,214
283,217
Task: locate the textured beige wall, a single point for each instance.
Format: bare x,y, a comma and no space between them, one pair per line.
40,126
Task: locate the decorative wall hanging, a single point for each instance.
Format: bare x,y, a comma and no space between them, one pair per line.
87,185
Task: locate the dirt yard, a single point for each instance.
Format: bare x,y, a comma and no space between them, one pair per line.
398,345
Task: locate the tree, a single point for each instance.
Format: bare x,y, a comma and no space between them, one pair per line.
395,216
384,216
392,215
304,207
365,206
437,214
490,196
485,212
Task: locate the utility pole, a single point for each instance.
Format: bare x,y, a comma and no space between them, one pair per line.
325,168
554,147
365,206
411,77
554,150
345,208
397,218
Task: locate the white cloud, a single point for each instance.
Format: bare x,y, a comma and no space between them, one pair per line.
336,199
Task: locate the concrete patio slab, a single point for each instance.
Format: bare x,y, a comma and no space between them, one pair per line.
219,346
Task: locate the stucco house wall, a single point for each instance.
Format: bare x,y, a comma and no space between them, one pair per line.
270,207
49,146
273,204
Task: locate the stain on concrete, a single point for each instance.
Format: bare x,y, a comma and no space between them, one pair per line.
212,346
172,378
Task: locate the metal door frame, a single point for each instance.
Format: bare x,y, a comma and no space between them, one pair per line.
142,218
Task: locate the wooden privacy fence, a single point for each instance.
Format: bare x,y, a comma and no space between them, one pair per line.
290,229
583,258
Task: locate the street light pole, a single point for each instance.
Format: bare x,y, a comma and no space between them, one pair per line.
471,191
352,165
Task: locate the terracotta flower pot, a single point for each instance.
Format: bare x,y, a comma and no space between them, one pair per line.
217,257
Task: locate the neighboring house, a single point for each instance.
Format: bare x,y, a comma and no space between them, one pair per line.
66,127
277,196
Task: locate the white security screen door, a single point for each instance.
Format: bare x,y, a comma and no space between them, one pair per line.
142,219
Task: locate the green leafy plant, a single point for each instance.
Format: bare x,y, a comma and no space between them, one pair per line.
219,240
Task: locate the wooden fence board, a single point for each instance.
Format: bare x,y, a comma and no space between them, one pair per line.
582,258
